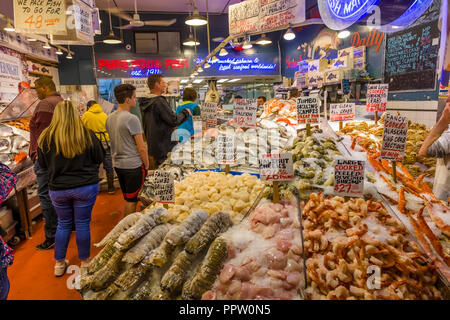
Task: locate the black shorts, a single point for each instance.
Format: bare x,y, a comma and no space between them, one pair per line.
131,182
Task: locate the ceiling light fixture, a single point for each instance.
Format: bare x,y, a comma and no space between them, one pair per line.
223,52
46,45
32,40
343,34
214,59
207,65
200,69
69,56
190,41
9,27
263,40
59,52
289,35
222,80
198,81
196,19
234,80
112,39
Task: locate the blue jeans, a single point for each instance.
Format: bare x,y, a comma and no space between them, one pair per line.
74,204
48,211
4,284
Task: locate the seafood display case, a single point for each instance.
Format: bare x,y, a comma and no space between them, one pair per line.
14,144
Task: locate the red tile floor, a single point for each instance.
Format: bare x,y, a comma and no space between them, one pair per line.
31,275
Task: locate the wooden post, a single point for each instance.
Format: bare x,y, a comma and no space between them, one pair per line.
308,129
341,126
394,171
227,169
376,118
166,206
276,193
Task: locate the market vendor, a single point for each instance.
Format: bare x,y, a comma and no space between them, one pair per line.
159,120
437,144
189,96
42,116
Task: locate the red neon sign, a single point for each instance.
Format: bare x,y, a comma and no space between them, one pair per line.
142,64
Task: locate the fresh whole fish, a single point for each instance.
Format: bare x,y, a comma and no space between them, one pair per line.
121,227
6,131
149,242
18,143
203,280
146,223
213,227
5,145
182,233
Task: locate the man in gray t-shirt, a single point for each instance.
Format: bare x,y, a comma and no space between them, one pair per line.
128,150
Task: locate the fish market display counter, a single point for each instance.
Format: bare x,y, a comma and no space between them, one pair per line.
224,237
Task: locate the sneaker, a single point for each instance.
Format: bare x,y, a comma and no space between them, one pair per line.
46,245
60,270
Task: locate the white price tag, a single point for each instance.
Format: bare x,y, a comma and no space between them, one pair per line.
342,111
209,114
394,138
225,151
377,95
244,114
349,177
276,167
162,185
307,110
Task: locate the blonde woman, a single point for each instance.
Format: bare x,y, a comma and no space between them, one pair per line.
72,155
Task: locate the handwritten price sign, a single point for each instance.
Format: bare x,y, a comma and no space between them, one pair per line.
162,185
209,114
307,110
40,16
394,138
225,152
244,114
377,95
276,167
349,177
342,111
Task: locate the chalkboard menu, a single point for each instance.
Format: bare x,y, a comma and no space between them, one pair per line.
411,58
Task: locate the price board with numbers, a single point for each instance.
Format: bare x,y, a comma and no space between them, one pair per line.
394,137
244,114
276,167
349,177
377,96
225,150
39,16
209,114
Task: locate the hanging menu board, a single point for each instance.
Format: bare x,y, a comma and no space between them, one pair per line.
209,114
394,138
307,110
244,114
44,17
411,58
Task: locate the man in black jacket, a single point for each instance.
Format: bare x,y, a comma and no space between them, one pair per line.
160,120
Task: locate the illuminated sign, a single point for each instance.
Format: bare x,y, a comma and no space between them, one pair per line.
142,64
240,64
340,14
373,39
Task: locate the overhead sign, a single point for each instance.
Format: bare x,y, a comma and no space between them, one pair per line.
349,177
342,111
394,138
244,114
258,16
10,75
377,96
209,114
307,110
40,16
276,167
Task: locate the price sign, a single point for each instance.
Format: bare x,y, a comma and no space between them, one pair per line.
244,114
225,151
276,167
197,123
162,185
377,95
307,110
342,111
394,138
39,16
349,177
209,114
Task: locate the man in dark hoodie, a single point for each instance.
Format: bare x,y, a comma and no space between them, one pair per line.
160,120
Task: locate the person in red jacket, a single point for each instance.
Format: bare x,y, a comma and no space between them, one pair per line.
42,116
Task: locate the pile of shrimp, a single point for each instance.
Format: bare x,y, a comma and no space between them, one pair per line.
355,250
264,256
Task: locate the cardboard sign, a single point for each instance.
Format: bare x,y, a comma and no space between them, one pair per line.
225,150
244,114
276,167
39,16
162,185
377,95
307,110
394,138
349,177
209,114
342,111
